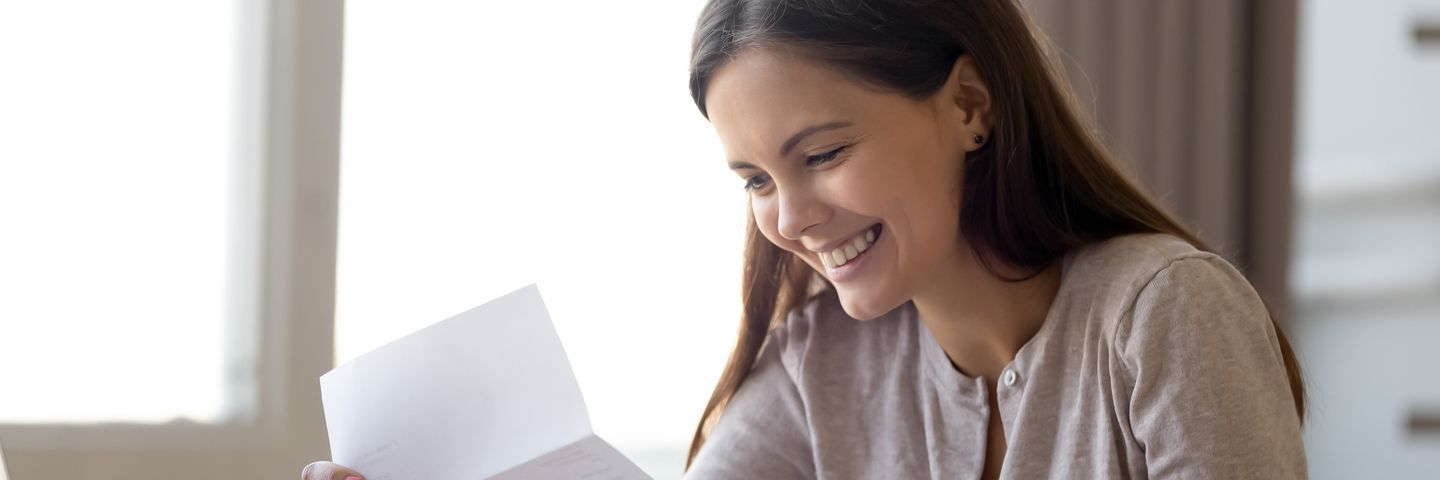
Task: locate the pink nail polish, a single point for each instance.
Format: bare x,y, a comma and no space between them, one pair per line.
352,477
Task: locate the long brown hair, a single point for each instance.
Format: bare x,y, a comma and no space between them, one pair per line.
1042,185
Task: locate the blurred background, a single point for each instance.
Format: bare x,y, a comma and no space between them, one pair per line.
204,205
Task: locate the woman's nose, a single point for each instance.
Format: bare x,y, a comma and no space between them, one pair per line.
799,209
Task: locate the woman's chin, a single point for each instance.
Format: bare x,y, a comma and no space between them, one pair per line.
865,307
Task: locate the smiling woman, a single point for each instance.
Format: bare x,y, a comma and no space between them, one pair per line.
945,277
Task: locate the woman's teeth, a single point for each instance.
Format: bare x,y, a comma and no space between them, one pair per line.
847,252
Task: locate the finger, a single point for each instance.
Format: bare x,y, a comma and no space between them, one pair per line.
328,471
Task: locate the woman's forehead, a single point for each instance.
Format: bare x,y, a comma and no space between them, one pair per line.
760,97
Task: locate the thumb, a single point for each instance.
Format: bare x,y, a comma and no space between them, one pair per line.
329,471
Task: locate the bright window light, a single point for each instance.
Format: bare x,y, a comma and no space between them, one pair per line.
115,144
487,145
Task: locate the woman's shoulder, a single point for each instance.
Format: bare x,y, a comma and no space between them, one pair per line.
1135,255
1117,269
1158,285
1115,278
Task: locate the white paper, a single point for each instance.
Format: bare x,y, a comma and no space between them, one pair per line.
3,475
487,393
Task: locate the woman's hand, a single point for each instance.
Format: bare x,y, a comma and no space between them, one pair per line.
329,471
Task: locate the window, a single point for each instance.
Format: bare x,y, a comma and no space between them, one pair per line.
168,177
115,196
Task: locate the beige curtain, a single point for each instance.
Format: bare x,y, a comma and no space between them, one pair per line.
1197,98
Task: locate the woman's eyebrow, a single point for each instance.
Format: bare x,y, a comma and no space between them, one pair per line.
800,135
795,140
737,164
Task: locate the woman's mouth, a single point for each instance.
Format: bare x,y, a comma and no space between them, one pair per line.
847,256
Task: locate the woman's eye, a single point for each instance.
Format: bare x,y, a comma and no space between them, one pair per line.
756,182
817,159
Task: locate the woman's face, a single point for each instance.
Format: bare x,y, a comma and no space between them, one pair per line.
861,184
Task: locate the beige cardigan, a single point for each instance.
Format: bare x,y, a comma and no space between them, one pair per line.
1156,360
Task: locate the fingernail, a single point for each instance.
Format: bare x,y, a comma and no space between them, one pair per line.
352,477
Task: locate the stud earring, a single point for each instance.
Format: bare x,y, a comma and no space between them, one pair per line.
979,139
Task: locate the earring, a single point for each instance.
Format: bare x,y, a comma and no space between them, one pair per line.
979,139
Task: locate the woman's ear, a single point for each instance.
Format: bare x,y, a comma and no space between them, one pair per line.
967,93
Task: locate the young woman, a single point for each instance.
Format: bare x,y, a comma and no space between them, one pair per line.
945,277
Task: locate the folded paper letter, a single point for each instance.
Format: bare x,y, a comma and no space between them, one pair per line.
485,394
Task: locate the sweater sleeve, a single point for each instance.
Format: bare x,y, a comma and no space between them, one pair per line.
762,432
1209,393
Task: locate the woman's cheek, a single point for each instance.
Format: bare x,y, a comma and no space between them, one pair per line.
859,186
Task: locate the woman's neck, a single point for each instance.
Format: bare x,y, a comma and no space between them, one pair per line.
980,320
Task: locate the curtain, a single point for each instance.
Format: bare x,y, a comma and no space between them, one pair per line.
1196,98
